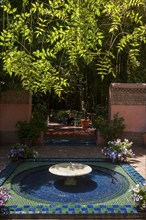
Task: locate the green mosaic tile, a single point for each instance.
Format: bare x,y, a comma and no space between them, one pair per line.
122,204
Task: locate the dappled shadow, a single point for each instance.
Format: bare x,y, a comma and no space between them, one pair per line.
139,161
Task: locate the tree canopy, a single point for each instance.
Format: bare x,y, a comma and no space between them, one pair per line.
73,44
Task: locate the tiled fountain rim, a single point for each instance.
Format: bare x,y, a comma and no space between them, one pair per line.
4,174
100,212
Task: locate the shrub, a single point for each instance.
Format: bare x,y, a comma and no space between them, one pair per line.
118,150
33,128
139,195
110,130
21,151
4,195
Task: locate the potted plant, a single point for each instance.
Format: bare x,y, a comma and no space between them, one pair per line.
118,150
110,130
4,197
62,116
139,196
84,120
21,151
29,131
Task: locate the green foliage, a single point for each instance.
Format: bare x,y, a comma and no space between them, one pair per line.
25,51
62,114
118,150
126,31
21,151
110,130
105,66
139,196
44,42
33,128
24,130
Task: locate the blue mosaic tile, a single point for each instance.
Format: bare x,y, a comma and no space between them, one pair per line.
84,210
59,209
19,209
26,206
65,206
32,208
111,210
53,206
127,206
13,207
71,209
115,206
97,209
8,170
102,206
39,206
71,142
90,206
137,178
124,210
76,208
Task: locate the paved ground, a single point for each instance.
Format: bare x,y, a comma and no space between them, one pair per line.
139,162
94,151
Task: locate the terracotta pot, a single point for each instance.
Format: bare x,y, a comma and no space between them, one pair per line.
40,140
99,139
85,123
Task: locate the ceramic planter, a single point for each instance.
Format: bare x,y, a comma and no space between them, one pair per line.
85,123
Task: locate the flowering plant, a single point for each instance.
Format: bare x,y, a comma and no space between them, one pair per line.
139,195
22,151
4,196
118,150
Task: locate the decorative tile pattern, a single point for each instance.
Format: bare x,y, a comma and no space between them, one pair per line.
70,142
137,178
121,95
76,209
57,209
8,170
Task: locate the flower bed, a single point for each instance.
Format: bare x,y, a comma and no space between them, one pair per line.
118,150
18,151
139,196
4,196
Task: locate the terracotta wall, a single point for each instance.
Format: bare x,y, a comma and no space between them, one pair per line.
14,106
130,101
134,117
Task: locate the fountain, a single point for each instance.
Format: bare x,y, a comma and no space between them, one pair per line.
70,171
69,182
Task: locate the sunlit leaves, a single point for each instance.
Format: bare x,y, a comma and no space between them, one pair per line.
46,35
105,66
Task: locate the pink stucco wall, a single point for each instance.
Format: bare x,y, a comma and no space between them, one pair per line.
14,107
134,116
129,100
11,114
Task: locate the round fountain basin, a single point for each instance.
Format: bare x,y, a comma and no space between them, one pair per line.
101,185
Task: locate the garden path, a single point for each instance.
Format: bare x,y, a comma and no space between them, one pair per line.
74,142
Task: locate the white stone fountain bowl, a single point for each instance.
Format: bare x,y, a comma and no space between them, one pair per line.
70,169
